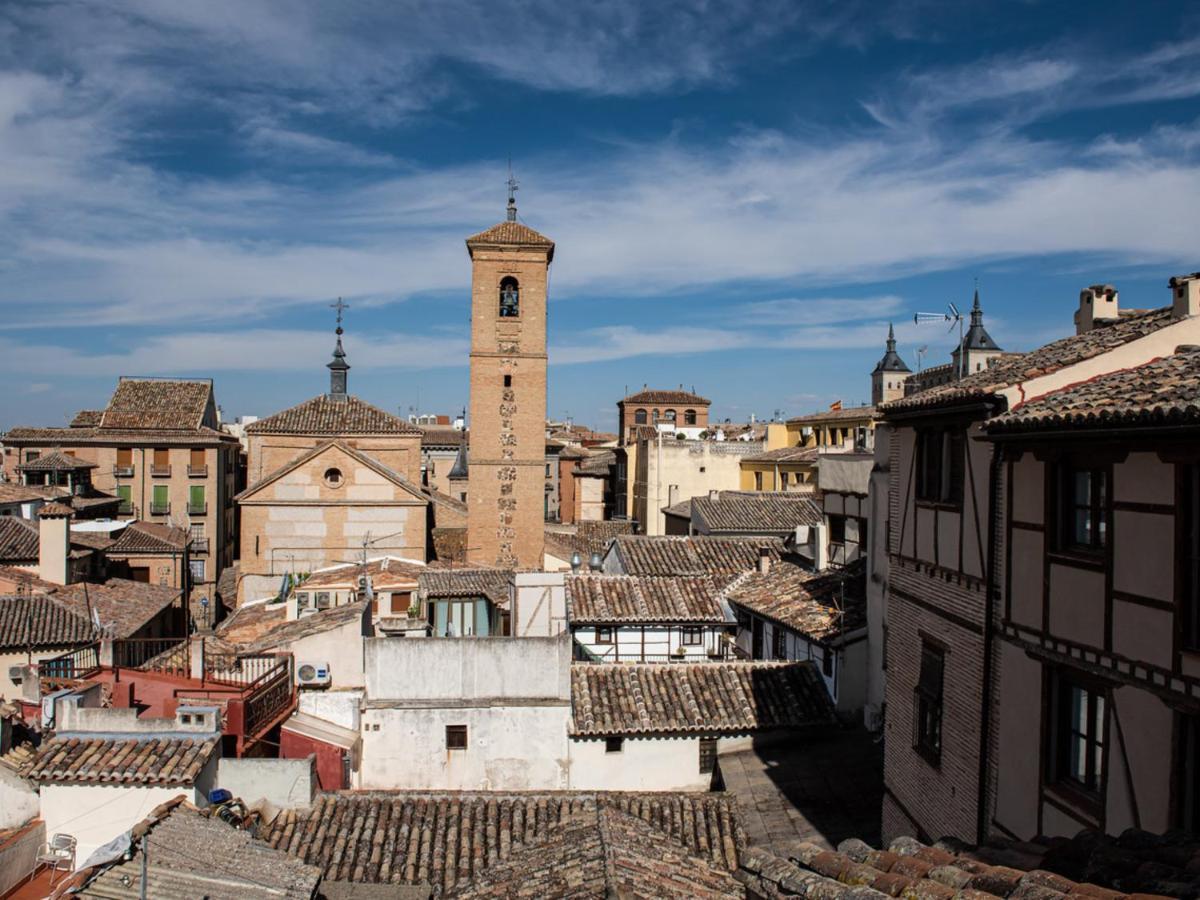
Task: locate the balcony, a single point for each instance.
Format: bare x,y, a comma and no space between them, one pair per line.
197,471
159,509
197,509
126,508
199,545
160,471
122,471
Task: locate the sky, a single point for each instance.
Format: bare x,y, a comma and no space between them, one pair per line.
743,195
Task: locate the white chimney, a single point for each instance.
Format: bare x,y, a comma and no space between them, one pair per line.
764,560
1185,295
1098,303
714,496
54,543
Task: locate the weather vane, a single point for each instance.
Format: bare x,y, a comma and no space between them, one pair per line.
513,185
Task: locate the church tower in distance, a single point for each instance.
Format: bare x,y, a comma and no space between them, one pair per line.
506,484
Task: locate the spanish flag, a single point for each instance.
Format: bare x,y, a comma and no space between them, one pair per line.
836,404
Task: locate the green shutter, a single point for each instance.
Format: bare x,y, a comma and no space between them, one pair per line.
196,495
161,497
125,492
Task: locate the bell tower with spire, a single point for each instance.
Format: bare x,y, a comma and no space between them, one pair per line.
510,264
977,344
890,373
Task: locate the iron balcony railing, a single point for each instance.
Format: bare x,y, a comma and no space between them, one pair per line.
170,655
198,471
60,671
122,471
159,509
157,471
197,509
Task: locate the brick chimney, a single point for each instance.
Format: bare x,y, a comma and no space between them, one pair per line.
54,543
1097,304
1185,295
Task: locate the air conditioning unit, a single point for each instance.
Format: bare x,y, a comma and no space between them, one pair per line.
306,612
313,674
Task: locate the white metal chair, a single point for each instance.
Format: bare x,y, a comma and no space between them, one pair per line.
58,853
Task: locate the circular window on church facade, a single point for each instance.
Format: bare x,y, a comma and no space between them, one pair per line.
333,477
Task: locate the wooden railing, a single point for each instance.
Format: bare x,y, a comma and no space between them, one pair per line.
223,668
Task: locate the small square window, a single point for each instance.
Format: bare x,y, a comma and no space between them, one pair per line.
456,737
614,744
693,637
604,635
508,381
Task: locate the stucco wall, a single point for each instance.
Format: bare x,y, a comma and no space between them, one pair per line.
643,764
509,748
660,640
341,648
18,854
341,707
692,467
463,669
287,783
18,801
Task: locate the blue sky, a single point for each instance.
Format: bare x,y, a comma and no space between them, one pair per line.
743,194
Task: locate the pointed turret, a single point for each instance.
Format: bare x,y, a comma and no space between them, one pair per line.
977,344
891,361
888,377
338,367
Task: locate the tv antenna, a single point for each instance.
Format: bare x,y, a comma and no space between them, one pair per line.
954,317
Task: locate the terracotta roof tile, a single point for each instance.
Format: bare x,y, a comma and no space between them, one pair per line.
626,598
323,415
1163,392
1018,367
1087,865
708,698
123,607
56,461
450,839
821,606
685,398
85,437
18,539
251,621
38,621
165,762
787,454
87,418
150,537
55,510
600,854
511,233
285,633
834,415
11,492
155,404
755,511
442,437
479,582
697,555
385,572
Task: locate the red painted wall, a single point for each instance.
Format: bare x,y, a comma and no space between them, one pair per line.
329,757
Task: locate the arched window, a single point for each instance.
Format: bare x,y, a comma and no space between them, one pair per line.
510,298
669,415
639,417
689,417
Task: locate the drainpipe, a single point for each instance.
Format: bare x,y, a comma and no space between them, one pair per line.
991,592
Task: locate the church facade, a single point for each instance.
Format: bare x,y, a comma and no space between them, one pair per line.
506,485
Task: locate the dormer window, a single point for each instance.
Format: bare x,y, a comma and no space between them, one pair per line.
510,298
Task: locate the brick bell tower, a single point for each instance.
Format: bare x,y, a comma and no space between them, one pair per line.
510,263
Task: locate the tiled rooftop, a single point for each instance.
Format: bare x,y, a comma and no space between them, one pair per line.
167,762
1160,393
448,839
511,233
385,573
150,537
787,454
1019,367
823,607
1088,865
70,437
286,633
37,621
755,511
122,606
707,698
11,492
684,398
193,854
324,416
156,404
626,598
441,437
18,539
699,555
442,583
56,461
834,416
87,418
601,854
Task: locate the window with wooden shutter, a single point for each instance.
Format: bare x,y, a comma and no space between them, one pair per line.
124,457
456,737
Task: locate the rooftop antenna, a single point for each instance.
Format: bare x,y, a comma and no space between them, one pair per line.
921,351
954,317
513,185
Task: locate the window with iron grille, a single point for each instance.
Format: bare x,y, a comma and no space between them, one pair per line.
708,755
928,702
456,737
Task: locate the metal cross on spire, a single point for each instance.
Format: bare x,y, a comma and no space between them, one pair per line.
513,185
339,306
